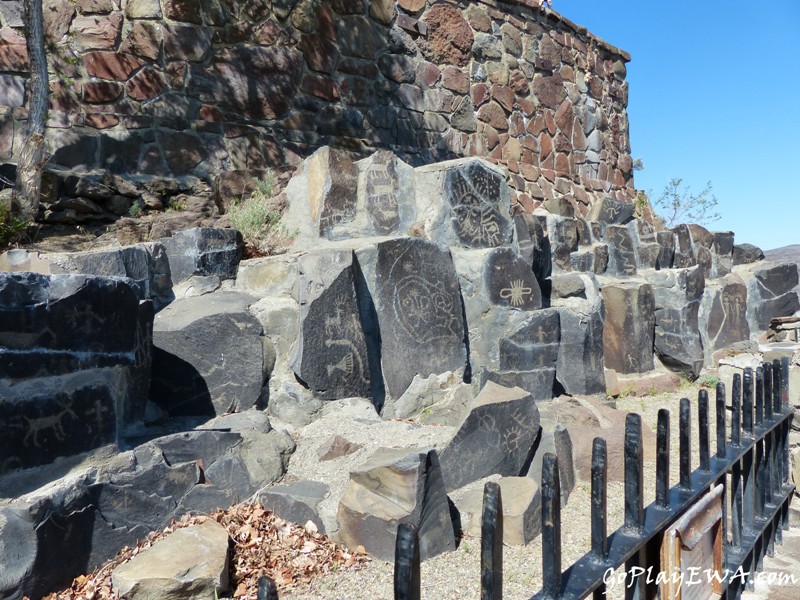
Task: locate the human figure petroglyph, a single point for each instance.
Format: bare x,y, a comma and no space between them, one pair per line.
37,425
473,197
382,206
516,293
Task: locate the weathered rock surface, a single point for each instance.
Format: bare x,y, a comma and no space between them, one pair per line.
209,356
496,437
74,364
189,562
296,501
419,311
394,486
203,251
629,327
522,510
331,352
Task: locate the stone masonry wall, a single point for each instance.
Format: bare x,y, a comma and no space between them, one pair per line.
208,88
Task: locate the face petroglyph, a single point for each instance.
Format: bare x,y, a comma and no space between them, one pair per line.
480,217
424,309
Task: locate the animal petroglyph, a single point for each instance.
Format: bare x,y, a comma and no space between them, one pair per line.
55,422
516,293
474,195
382,205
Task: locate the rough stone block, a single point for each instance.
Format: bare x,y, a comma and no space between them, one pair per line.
394,486
209,356
296,502
203,251
629,327
522,510
496,437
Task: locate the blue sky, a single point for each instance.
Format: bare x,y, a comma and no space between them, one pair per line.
714,96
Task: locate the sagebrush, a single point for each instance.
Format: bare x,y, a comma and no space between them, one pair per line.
257,219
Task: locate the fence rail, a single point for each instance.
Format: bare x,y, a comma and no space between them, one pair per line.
751,468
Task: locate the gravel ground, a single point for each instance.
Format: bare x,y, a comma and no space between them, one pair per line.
456,575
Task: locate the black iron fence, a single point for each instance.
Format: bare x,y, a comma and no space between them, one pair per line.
750,467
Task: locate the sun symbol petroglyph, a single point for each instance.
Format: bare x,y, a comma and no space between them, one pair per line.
512,438
516,293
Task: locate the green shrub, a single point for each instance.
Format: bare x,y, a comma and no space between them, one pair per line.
12,228
257,219
707,380
136,210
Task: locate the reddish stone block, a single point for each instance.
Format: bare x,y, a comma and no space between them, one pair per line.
449,40
562,143
528,156
325,21
480,94
411,6
187,11
513,166
176,73
479,19
428,74
578,137
456,80
494,115
550,122
519,83
13,51
491,136
116,66
516,124
100,121
528,171
209,113
143,40
549,90
320,54
504,96
100,92
57,16
565,116
545,145
147,83
268,33
536,125
321,87
562,164
359,68
96,32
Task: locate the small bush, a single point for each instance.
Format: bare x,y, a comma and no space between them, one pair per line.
708,380
257,219
12,228
136,210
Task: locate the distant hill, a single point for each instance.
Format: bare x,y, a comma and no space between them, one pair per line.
784,254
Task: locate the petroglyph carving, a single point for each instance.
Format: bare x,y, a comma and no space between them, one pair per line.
350,363
474,194
382,206
55,422
516,293
424,309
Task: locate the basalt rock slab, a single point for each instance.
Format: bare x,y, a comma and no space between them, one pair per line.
622,259
510,282
612,211
332,190
496,437
722,254
677,334
387,191
522,510
554,438
296,501
723,315
581,363
209,356
534,345
396,486
684,248
74,364
419,311
189,562
744,254
464,203
629,326
666,254
533,244
774,286
203,251
331,352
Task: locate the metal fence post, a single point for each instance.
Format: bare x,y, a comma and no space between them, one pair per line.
685,446
634,500
662,459
599,504
267,590
736,409
406,563
702,426
492,543
551,527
